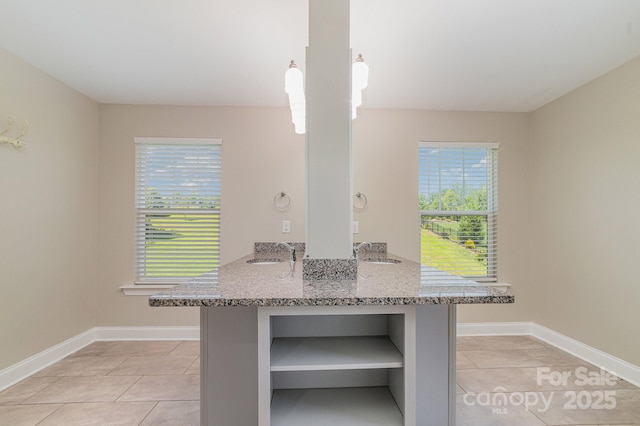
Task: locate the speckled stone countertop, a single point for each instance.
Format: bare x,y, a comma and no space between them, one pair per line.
406,283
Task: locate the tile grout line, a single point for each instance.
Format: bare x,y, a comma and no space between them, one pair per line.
533,414
147,415
50,414
191,365
127,389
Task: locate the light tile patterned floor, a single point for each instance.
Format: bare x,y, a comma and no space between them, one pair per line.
108,383
501,381
519,380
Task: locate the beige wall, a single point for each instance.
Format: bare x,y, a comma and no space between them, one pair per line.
586,226
48,213
385,159
262,156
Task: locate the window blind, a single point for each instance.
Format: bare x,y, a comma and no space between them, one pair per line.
177,199
458,202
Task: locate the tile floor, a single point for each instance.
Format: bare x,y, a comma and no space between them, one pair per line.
519,380
510,381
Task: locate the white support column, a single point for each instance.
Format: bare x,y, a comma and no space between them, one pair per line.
328,142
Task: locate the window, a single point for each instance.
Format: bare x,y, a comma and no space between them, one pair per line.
177,208
458,186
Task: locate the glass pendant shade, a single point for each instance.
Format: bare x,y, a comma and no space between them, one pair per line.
360,74
359,81
293,86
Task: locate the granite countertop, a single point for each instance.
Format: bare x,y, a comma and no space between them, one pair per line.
406,283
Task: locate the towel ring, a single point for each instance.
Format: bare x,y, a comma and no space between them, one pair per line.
359,201
282,200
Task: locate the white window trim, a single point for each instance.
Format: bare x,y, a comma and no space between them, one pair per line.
458,144
442,144
147,288
140,289
177,141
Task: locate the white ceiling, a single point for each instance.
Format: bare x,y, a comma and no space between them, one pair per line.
474,55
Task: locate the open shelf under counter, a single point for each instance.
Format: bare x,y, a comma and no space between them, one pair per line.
334,353
371,406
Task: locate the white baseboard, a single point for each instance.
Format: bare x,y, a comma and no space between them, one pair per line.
20,371
494,329
616,366
37,362
148,333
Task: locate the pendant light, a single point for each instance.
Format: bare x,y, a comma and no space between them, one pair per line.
293,85
359,81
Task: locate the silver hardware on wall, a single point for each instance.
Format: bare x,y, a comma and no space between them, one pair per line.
359,201
15,141
282,201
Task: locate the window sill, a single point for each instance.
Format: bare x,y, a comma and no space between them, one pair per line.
144,289
499,286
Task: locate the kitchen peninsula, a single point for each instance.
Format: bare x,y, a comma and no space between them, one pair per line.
280,350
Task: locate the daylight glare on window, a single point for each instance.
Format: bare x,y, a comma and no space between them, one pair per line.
178,210
458,208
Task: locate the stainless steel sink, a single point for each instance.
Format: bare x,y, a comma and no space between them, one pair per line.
265,261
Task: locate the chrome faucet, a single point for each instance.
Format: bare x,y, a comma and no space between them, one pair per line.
292,252
356,250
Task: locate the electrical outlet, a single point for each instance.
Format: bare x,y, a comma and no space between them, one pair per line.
286,226
356,227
